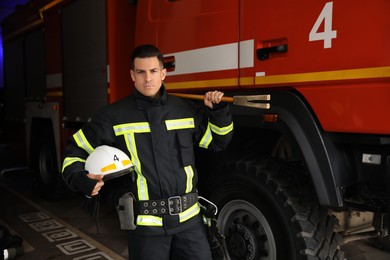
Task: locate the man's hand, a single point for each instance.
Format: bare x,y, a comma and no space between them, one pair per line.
212,97
98,185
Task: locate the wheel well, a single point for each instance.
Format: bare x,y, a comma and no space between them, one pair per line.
295,136
248,143
257,142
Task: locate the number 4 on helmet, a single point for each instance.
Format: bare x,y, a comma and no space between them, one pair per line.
108,161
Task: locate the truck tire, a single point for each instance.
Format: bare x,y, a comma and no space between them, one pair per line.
269,211
47,180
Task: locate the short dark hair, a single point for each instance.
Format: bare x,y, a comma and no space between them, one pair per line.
146,51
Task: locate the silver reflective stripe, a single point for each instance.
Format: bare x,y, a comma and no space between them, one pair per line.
190,175
131,146
221,130
189,213
128,131
69,160
148,220
82,141
143,193
207,138
177,124
141,127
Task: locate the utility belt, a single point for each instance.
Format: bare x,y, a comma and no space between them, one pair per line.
128,208
173,205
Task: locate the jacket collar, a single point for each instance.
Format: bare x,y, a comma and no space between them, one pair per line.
144,102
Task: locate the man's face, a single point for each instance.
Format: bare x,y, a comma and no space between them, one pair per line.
148,75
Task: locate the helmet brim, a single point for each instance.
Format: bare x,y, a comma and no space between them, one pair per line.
117,174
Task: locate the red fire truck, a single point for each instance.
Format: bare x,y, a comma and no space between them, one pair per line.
299,179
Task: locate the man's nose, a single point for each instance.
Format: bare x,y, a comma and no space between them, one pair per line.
148,76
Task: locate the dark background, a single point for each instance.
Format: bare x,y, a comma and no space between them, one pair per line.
6,8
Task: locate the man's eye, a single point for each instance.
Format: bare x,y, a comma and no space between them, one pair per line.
140,72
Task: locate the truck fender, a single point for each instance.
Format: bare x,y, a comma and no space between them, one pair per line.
325,162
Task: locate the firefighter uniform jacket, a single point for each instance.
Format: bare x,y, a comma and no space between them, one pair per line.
159,136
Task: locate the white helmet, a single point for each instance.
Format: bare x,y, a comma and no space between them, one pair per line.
108,161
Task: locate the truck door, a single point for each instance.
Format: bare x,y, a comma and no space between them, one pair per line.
200,39
297,39
318,47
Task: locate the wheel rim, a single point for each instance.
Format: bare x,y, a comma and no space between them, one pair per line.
248,234
45,164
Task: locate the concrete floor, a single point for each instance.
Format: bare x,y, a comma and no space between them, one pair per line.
59,230
63,230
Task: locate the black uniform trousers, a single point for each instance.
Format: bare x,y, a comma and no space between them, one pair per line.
188,244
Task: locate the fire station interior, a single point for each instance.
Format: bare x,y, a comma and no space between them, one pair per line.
33,226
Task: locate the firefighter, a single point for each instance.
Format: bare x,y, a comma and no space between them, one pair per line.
158,132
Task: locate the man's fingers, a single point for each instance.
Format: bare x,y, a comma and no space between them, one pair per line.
99,184
213,97
97,187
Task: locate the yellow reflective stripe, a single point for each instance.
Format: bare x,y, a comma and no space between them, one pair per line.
69,160
221,130
109,167
148,220
183,123
141,127
143,193
189,213
190,175
131,146
207,138
128,131
142,186
82,141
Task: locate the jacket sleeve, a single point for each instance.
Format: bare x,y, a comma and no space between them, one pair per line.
216,129
79,147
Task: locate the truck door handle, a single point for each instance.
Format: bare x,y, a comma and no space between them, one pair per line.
169,63
263,53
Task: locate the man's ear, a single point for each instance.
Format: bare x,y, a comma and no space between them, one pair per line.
132,75
163,73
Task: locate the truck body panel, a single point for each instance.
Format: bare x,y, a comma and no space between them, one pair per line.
225,53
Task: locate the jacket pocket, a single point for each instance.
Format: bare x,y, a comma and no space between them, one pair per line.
186,147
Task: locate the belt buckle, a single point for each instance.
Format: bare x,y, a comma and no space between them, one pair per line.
171,204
